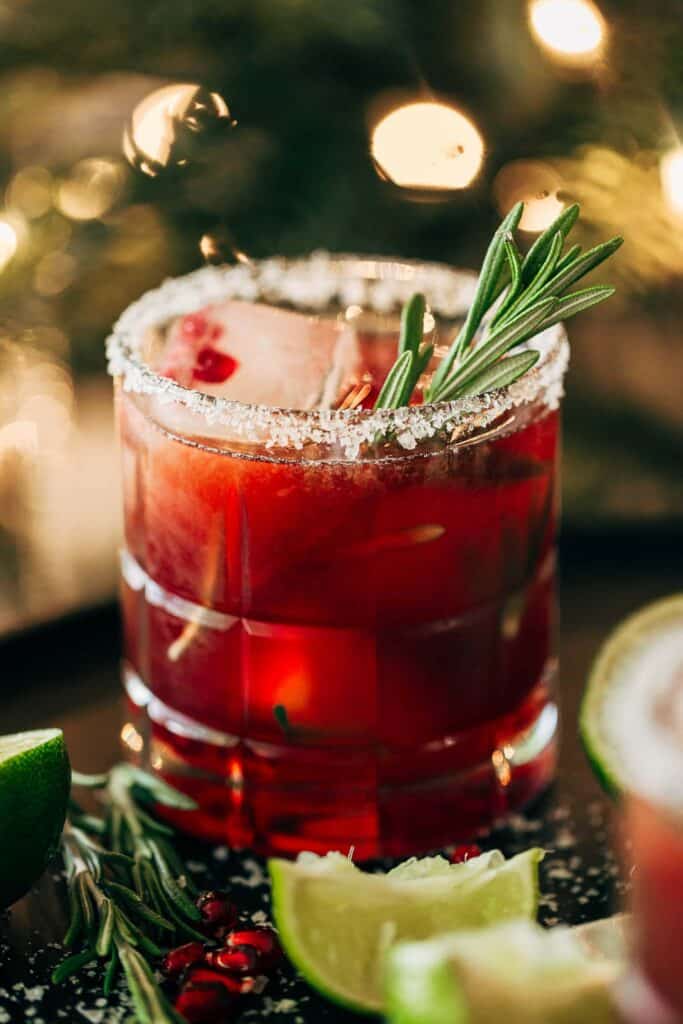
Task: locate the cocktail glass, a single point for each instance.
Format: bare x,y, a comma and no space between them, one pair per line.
338,622
656,836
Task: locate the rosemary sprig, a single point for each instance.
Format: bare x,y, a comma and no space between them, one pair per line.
413,357
127,888
532,293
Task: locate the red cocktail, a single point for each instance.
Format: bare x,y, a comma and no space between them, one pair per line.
657,850
338,621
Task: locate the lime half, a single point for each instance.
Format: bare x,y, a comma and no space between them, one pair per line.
631,719
515,972
336,922
34,788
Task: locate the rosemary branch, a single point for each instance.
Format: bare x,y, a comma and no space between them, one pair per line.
532,293
127,889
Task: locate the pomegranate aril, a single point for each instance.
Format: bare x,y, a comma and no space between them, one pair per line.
204,1004
235,960
465,852
213,366
178,960
199,976
217,911
193,327
263,940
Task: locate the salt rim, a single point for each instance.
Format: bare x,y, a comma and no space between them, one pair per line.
377,283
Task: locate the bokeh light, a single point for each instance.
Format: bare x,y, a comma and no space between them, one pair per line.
91,189
8,241
622,194
54,272
30,191
671,173
537,185
219,246
161,127
427,145
572,31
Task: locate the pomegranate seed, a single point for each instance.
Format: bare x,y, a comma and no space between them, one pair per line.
200,976
213,366
234,959
370,399
205,1004
193,327
465,852
217,910
177,960
263,940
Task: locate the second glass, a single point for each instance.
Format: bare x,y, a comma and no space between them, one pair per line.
338,623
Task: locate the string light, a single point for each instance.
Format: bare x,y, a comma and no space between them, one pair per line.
427,145
91,189
8,242
572,31
534,183
671,174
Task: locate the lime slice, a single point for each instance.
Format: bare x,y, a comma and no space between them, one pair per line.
631,721
34,787
515,972
337,922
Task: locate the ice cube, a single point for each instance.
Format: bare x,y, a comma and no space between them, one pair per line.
262,354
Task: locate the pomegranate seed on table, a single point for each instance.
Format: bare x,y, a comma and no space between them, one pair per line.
263,940
213,366
234,959
198,977
464,852
206,1004
216,910
177,960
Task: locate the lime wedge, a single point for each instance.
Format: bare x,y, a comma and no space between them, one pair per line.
337,922
34,787
515,972
628,720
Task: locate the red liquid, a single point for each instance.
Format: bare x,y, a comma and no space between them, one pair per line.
657,852
400,611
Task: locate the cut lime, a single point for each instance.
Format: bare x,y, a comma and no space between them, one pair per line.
34,787
628,720
337,922
515,972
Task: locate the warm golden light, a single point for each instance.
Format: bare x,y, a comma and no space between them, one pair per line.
427,145
152,134
30,191
623,193
131,738
573,31
537,185
671,173
91,189
8,241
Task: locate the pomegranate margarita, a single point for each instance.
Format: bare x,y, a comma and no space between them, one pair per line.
338,618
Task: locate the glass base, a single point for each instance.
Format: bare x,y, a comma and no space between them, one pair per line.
293,796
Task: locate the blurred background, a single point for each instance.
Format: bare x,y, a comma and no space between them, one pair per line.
139,140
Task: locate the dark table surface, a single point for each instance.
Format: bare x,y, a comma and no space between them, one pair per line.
67,675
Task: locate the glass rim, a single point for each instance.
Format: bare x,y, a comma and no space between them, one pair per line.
311,284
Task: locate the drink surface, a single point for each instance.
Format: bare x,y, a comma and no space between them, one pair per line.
332,652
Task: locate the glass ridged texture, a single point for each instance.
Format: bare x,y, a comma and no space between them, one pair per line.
338,624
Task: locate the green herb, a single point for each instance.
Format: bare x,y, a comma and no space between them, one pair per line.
129,896
533,294
412,360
